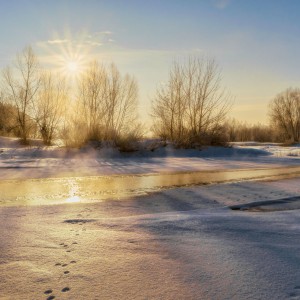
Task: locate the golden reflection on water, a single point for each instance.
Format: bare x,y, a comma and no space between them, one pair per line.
49,191
73,199
73,192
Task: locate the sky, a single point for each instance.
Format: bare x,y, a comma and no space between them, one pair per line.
255,42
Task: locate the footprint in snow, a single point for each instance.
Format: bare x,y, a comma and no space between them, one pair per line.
63,245
47,292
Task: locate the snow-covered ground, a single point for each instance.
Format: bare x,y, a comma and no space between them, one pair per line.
230,240
274,149
182,243
37,161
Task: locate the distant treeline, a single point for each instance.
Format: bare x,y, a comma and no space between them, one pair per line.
238,131
189,110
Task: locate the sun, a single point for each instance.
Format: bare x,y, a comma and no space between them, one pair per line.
68,55
72,66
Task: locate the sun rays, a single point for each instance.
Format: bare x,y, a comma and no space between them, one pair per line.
68,55
71,67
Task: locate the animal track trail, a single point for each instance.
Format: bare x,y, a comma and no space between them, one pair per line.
48,292
65,246
71,262
51,297
69,247
62,264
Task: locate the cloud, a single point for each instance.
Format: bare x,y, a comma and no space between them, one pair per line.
58,41
107,32
94,43
221,4
94,39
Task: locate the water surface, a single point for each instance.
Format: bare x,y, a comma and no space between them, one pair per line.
98,188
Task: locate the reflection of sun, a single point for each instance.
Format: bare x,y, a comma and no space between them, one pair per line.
73,198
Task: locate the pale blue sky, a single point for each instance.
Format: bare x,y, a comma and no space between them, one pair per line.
256,42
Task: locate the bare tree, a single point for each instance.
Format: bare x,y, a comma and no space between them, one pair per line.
120,103
108,102
91,96
239,131
284,112
170,106
190,108
50,105
21,84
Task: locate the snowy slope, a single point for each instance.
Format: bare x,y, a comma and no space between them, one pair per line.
176,244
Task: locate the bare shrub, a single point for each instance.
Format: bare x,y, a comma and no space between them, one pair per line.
8,119
50,105
91,97
108,102
239,131
73,134
20,85
128,142
284,111
192,105
121,104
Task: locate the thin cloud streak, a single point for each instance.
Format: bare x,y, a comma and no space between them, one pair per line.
58,41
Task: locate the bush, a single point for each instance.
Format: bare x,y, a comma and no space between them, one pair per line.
130,142
190,109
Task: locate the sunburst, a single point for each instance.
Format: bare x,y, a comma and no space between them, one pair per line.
67,55
72,66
